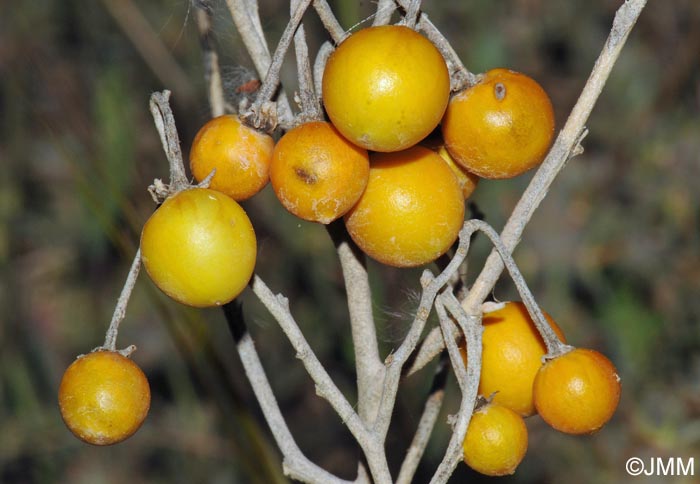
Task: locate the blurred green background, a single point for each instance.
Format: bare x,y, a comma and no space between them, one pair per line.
613,253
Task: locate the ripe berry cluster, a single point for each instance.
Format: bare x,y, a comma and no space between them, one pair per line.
576,392
401,194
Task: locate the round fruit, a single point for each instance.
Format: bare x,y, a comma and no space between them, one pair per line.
316,173
199,248
104,397
500,127
240,154
511,356
411,211
386,88
577,392
496,441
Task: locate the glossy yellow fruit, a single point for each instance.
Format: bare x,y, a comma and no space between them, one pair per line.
577,392
496,441
500,127
411,211
386,88
511,356
199,247
316,173
104,397
240,154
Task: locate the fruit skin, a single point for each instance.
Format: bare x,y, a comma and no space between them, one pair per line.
385,88
199,247
240,154
496,441
577,392
411,211
500,127
511,356
104,397
316,173
467,180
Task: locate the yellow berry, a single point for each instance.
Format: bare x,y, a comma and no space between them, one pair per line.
316,173
104,397
577,392
386,88
199,247
500,127
496,441
411,211
240,154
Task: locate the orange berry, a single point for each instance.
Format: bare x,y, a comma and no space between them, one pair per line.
240,154
386,88
316,173
496,440
104,397
199,248
500,127
411,211
511,356
577,392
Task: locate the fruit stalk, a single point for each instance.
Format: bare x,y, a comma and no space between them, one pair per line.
120,309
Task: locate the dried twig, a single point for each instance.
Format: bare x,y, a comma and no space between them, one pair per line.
310,106
385,9
335,30
369,367
247,20
412,12
120,309
296,465
324,52
431,287
468,379
260,108
165,124
278,306
212,72
431,410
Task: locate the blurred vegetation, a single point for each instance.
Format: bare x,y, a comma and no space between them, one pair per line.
613,253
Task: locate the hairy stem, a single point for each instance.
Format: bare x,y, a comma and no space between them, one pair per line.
412,12
212,72
247,20
554,345
165,124
431,287
278,307
427,421
468,379
296,465
120,309
335,30
369,367
310,107
272,77
385,9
